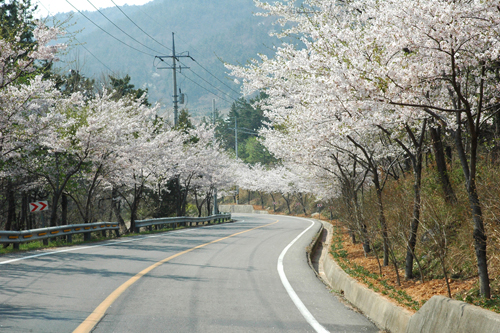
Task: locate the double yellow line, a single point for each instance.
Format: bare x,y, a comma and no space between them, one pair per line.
93,319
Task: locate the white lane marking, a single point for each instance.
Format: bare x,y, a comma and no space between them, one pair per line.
70,249
293,295
107,244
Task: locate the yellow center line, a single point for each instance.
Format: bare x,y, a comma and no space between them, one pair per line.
88,324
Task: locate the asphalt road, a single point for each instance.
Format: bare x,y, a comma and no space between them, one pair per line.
237,277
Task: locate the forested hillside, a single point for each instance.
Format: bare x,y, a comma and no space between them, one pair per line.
212,32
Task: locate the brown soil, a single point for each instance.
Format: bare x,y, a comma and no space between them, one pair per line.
415,288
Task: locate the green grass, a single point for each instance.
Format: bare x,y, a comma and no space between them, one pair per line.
473,297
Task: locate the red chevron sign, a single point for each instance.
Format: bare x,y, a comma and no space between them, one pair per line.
38,206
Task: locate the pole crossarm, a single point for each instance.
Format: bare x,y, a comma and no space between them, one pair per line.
175,58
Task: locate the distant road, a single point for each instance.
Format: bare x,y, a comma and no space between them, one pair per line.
237,277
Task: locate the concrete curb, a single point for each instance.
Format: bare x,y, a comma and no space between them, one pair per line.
441,314
381,311
384,313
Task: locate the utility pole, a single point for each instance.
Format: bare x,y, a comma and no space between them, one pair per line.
236,150
216,209
175,58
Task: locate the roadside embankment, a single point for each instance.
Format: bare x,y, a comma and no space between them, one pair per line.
439,314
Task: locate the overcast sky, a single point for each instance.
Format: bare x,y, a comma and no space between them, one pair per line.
46,7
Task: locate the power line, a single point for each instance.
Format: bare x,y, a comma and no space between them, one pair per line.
81,44
237,92
217,78
152,19
139,26
204,87
245,132
93,55
108,32
152,50
120,28
210,84
175,58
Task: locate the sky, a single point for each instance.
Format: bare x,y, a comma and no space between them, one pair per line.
51,7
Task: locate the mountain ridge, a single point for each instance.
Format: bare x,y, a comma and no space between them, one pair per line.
208,30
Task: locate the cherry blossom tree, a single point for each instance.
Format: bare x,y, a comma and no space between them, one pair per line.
387,65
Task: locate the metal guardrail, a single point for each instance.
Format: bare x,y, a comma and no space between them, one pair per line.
17,237
182,220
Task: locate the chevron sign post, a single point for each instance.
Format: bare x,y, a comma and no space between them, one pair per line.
38,206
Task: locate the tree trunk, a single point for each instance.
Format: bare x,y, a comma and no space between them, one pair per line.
24,212
287,200
440,157
412,241
383,225
303,202
135,206
115,205
274,202
478,233
381,217
64,209
199,206
480,238
11,209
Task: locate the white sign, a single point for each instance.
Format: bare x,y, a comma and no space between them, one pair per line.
38,206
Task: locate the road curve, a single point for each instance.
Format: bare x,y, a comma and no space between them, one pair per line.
248,276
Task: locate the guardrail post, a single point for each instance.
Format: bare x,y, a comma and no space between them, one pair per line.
117,232
45,241
86,236
103,233
15,246
137,230
150,228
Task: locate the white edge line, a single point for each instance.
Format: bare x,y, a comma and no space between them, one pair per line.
293,295
107,244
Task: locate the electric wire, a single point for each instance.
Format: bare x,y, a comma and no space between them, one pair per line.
80,43
128,17
237,92
121,28
152,19
216,78
48,11
79,11
199,85
208,82
117,39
